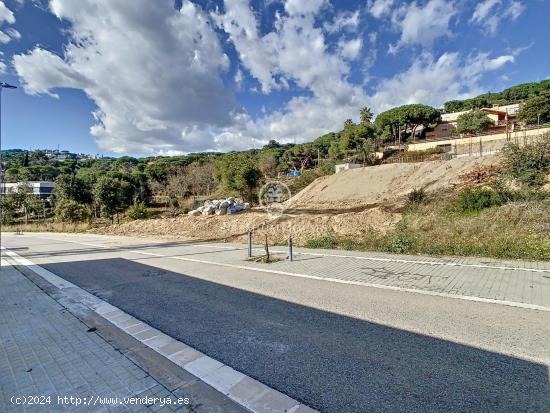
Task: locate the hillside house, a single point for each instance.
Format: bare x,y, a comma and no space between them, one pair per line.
501,115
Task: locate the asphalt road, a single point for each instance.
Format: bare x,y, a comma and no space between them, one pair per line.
336,347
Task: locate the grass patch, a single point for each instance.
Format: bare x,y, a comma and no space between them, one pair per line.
516,230
48,227
327,241
474,200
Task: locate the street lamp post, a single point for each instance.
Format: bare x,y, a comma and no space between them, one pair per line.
3,85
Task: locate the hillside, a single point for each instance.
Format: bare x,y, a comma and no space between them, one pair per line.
383,184
349,204
508,96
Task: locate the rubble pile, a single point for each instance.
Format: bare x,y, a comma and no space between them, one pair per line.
220,207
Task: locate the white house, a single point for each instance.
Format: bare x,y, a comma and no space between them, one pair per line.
345,166
42,189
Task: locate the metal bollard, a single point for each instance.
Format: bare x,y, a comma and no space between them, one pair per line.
290,258
249,243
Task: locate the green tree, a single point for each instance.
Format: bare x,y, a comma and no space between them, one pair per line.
353,137
72,187
238,172
113,195
405,120
23,199
68,210
536,109
367,153
8,209
473,122
269,162
508,96
334,151
366,115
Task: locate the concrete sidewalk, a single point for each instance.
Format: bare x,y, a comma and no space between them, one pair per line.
48,356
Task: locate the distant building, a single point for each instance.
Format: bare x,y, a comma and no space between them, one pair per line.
42,189
345,166
501,115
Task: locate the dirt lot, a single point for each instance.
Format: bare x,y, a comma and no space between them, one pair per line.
349,203
235,227
384,184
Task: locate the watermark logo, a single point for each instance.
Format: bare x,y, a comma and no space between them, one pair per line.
273,196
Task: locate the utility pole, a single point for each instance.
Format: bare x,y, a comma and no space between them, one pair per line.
3,86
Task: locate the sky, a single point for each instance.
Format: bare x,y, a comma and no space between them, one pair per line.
168,77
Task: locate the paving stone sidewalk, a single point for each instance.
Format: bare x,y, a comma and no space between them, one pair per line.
46,351
515,281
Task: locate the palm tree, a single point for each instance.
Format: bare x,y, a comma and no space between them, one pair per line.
366,115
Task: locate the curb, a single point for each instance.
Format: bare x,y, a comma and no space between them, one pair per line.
244,390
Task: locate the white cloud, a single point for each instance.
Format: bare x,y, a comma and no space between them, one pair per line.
238,79
483,9
515,10
490,13
6,15
434,81
380,8
343,21
296,52
423,24
301,7
9,35
4,38
3,67
14,34
350,49
153,72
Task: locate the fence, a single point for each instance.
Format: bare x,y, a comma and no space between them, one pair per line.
480,145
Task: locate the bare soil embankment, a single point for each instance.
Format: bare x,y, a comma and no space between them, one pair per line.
383,184
348,204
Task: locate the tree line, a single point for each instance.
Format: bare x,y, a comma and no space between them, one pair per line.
107,188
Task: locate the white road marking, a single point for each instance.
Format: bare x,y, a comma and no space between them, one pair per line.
216,374
360,283
356,257
339,281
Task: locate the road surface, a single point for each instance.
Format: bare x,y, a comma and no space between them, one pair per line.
335,346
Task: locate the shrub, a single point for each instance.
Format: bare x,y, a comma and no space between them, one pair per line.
417,196
474,200
173,202
68,210
138,211
327,241
402,240
528,164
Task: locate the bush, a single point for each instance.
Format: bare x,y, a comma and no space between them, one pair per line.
402,240
68,210
327,241
474,200
417,196
173,202
138,211
528,164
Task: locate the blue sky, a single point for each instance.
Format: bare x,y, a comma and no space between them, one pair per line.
164,77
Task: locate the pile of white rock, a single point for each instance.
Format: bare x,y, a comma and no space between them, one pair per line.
220,207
